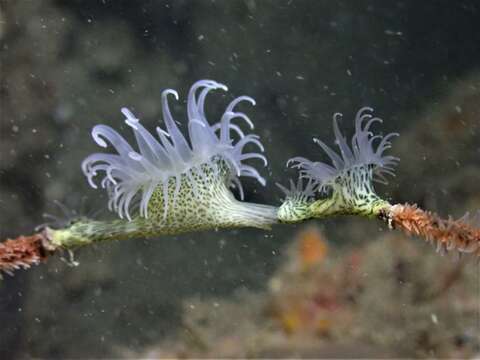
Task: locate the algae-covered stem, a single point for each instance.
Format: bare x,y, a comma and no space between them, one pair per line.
221,211
211,206
351,193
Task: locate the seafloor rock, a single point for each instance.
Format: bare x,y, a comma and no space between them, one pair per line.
390,297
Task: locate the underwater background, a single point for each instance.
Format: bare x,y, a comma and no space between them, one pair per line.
339,287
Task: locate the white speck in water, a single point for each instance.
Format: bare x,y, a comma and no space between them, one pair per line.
392,33
222,243
15,128
434,319
201,37
349,73
299,77
458,109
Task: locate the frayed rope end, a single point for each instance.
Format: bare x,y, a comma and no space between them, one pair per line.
24,252
445,234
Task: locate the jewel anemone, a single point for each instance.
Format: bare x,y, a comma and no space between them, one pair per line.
133,174
344,186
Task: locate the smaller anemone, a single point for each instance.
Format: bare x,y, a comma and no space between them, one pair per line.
156,163
298,192
366,150
295,206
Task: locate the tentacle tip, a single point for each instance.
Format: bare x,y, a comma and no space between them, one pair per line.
134,156
97,138
128,114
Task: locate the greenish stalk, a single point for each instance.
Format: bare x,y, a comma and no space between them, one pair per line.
210,206
340,205
351,193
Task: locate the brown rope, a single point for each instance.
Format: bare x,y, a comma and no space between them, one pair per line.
23,252
446,234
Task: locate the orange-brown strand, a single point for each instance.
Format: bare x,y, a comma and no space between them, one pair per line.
446,234
23,252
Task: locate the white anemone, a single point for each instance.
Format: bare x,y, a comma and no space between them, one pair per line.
155,161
